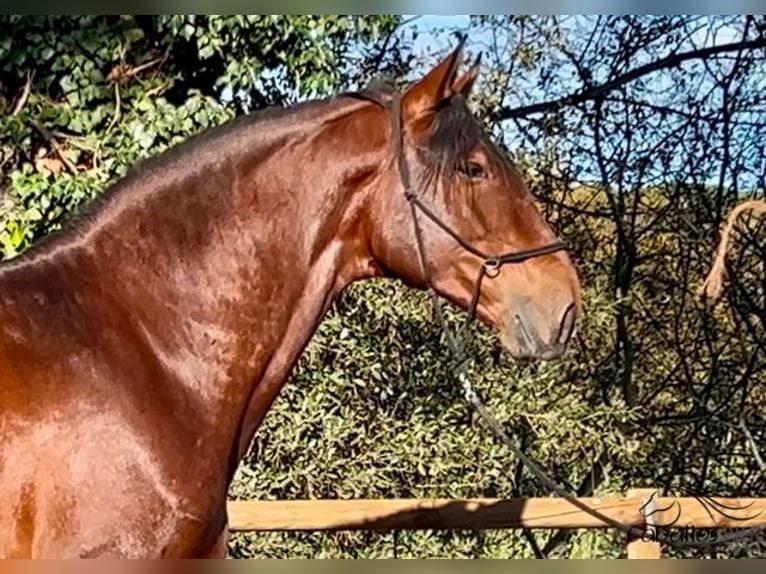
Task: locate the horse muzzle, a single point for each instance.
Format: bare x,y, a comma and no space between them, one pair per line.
532,334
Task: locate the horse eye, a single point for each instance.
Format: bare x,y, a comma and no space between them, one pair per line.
472,169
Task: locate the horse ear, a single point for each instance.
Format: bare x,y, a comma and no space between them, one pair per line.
464,84
425,95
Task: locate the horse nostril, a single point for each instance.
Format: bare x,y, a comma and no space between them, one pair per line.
566,329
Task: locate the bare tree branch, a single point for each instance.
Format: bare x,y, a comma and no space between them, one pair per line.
598,91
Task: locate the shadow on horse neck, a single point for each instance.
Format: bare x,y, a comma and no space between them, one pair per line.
164,321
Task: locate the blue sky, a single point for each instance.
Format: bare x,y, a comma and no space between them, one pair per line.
429,47
435,43
437,39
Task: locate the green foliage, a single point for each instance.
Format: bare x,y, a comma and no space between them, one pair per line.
82,98
372,410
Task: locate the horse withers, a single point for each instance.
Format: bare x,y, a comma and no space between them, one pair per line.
141,347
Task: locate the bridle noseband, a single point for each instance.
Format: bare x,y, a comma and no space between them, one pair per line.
491,264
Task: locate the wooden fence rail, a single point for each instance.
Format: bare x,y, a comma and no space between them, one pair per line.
492,513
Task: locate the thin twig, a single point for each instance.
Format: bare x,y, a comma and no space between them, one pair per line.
601,90
55,146
145,65
24,96
117,107
753,445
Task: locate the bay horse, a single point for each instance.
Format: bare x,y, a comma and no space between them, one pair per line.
142,346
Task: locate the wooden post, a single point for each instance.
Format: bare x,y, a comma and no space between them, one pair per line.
638,548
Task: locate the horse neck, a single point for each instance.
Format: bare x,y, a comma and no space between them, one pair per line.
224,274
255,238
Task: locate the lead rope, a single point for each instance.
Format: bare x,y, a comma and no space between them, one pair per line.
490,267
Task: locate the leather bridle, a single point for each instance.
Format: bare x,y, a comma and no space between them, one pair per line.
491,264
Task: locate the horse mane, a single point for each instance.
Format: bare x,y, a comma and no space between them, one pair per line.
455,133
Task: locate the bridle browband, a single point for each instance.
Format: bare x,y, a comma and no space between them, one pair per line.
491,264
